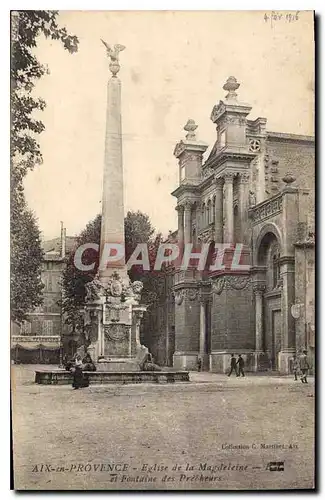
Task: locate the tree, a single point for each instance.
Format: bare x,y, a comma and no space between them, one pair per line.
138,229
26,255
25,153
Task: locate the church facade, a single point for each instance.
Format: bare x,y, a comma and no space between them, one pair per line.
257,189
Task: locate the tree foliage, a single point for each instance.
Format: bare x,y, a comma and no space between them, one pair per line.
25,153
27,26
138,229
26,256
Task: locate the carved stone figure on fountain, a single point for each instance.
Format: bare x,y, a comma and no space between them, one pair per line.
94,290
137,287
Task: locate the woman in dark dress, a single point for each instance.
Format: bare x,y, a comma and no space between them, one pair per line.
88,363
78,378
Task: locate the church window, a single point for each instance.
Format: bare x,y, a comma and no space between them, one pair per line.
47,327
26,328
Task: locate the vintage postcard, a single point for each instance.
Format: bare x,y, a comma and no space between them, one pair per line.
162,250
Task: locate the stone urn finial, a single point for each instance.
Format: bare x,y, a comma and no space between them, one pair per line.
288,178
190,127
231,86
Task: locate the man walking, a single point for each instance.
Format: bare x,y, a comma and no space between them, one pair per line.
304,366
241,364
233,366
295,366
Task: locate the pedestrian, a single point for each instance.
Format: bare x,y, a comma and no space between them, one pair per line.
88,363
233,366
199,364
304,366
241,364
78,378
295,366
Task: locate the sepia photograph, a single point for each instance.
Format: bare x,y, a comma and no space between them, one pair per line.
162,250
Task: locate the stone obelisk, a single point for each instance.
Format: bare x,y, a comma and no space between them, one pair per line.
112,227
112,311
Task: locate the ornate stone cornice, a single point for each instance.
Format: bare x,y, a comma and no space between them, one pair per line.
258,269
196,148
186,188
305,243
238,155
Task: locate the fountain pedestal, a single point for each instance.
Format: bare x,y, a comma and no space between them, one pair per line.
112,317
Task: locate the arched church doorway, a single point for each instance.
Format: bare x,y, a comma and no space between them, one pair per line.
268,257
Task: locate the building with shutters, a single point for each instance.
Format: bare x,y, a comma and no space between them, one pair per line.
39,337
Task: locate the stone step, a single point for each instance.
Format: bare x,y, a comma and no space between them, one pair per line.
62,377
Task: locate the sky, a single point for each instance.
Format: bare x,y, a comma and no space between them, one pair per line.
173,69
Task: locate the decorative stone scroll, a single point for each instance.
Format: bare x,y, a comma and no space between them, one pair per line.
179,148
266,210
189,293
217,111
230,282
179,296
206,235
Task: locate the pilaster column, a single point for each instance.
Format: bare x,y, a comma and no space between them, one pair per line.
101,334
180,234
229,209
259,289
138,316
218,215
243,205
187,223
287,274
202,347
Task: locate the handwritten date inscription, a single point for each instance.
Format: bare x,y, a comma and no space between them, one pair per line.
275,16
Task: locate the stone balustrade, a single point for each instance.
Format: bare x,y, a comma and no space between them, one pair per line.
266,209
